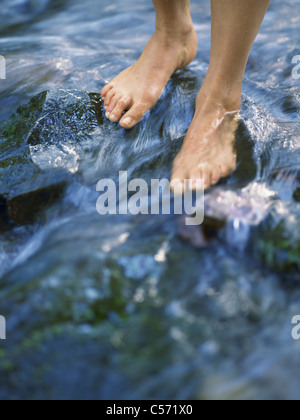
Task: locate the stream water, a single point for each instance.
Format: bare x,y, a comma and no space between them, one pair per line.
123,307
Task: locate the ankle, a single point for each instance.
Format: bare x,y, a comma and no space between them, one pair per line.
223,97
181,30
214,104
221,90
181,42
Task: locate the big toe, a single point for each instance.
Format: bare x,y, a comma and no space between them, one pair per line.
134,115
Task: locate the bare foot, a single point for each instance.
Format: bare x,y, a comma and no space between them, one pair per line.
208,151
137,89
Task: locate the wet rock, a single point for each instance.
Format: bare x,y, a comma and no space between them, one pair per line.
25,203
278,246
66,115
66,122
39,150
297,195
194,235
4,219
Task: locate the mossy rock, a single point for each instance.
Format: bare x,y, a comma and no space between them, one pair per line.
279,247
51,118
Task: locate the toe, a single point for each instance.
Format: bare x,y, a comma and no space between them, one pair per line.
177,180
177,186
196,181
226,170
113,102
223,170
205,174
216,176
121,105
109,115
134,115
105,90
108,98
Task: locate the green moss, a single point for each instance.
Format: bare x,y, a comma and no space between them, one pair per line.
49,118
14,132
280,250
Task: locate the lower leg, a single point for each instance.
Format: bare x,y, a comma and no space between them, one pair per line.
209,148
173,46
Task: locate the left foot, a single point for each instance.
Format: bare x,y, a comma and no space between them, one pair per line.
208,151
137,89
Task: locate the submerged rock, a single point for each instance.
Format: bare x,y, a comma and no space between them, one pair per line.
27,201
38,150
297,195
278,245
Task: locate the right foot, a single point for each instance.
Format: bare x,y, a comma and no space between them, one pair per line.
209,151
137,89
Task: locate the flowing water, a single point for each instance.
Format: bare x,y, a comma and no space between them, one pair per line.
140,306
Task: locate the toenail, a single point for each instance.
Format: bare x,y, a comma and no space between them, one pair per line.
107,114
127,121
112,117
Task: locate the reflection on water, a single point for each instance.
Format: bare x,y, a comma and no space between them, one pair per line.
123,307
